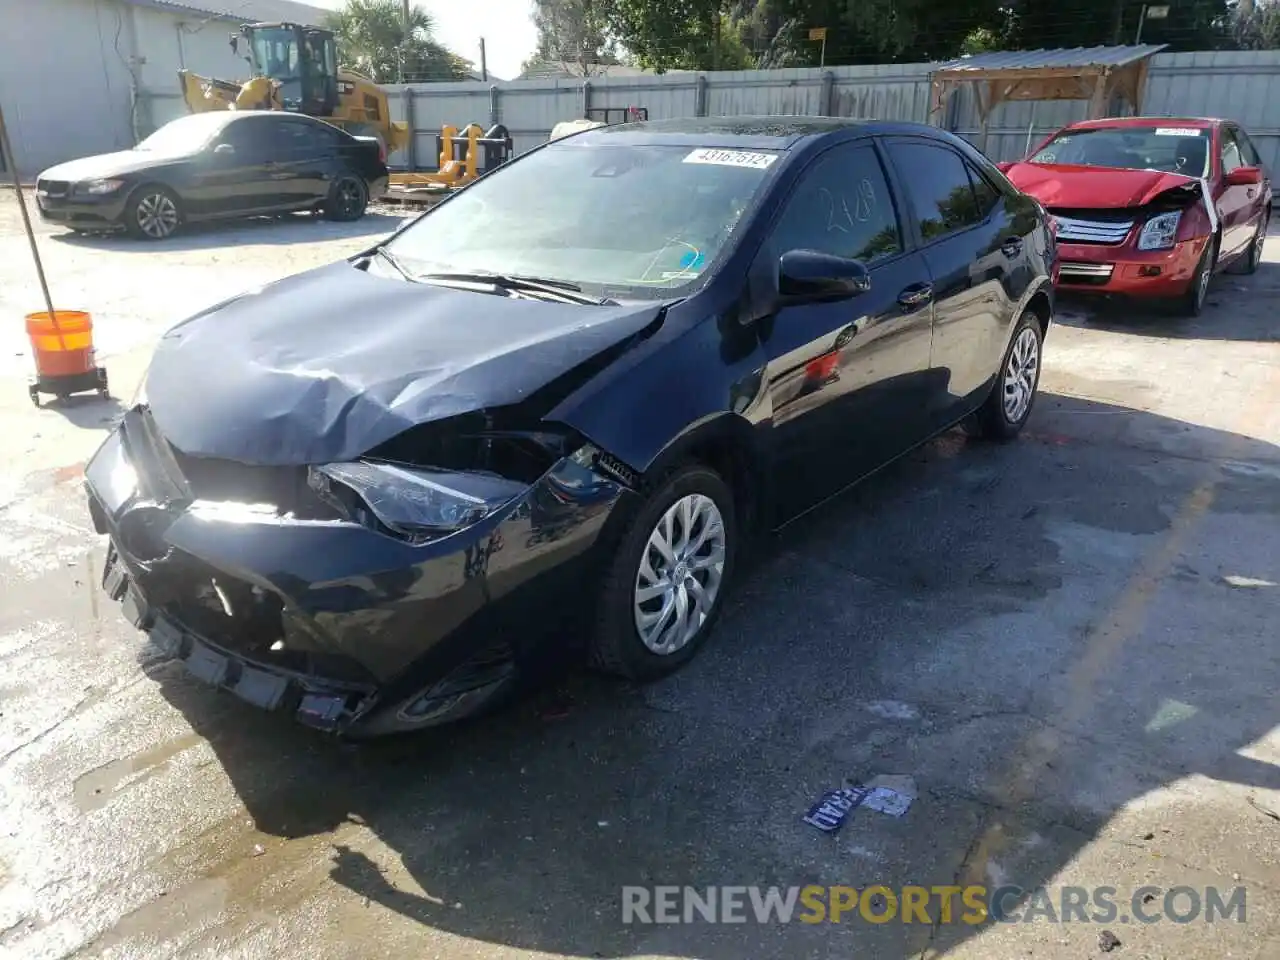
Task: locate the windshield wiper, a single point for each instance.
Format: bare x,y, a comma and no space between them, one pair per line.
564,289
392,259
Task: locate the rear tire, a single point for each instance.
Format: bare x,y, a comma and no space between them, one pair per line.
1248,262
348,197
662,574
1008,407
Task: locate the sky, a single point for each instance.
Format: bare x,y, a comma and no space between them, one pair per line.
506,25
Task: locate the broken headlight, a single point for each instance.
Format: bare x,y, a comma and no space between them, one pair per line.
416,504
1160,231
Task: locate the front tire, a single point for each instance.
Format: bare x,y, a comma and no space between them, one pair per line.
1008,407
1191,304
666,584
153,213
347,200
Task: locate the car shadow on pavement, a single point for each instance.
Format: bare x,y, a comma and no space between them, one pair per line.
988,619
276,231
1237,308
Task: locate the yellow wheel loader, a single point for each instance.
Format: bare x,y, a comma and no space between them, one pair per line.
295,68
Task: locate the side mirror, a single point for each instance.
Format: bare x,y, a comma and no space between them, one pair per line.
1004,166
807,275
1244,177
224,149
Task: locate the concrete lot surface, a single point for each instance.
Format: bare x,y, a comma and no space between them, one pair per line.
1069,643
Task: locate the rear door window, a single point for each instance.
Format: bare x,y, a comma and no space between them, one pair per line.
942,196
986,196
298,140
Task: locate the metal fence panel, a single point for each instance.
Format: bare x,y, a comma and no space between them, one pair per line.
1240,85
896,91
764,92
671,95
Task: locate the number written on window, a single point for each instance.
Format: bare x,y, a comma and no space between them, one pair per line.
842,206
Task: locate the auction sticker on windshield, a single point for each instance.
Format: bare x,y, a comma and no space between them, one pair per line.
1179,131
732,158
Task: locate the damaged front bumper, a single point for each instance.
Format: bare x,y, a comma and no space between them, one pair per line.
349,629
1124,270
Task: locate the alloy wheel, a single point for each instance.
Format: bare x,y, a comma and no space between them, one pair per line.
349,195
157,215
681,569
1020,375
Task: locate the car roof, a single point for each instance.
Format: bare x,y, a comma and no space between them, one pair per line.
1139,122
763,132
242,115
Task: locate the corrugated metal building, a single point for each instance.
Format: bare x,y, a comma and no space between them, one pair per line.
79,77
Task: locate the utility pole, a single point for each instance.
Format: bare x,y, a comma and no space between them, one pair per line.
404,40
715,40
484,63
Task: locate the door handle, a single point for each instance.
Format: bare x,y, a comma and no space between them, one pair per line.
915,295
1011,247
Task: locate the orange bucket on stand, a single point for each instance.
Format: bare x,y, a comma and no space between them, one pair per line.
62,344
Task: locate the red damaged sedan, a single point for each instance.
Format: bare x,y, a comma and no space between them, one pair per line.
1150,207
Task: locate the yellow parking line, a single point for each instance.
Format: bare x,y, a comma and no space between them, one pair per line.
1123,620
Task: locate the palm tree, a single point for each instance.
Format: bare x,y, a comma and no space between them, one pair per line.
372,40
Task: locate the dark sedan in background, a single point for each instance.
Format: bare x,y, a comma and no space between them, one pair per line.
550,428
212,166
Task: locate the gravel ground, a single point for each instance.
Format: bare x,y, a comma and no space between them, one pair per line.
1067,642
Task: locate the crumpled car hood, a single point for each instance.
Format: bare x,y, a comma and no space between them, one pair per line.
326,365
1098,188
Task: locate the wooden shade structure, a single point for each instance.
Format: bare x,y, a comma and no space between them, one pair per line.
1096,74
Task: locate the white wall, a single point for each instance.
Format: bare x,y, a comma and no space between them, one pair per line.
65,82
63,87
169,43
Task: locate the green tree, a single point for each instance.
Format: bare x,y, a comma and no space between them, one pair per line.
573,32
981,40
1190,25
680,34
372,40
1256,26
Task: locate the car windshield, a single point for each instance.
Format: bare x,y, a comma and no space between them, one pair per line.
275,52
616,219
184,135
1172,149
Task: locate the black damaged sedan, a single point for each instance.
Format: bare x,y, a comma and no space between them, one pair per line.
550,414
